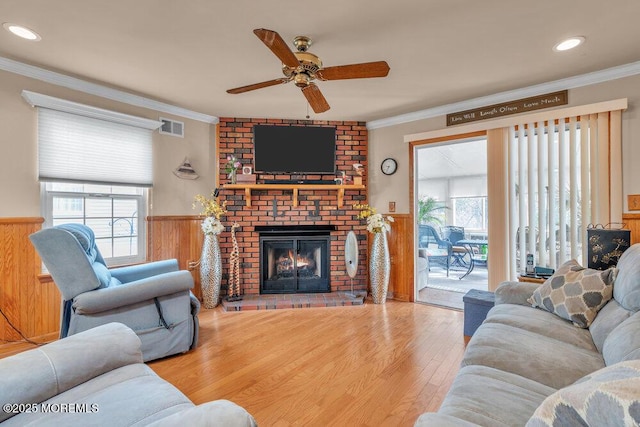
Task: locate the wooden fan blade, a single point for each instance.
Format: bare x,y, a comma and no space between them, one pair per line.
255,86
316,98
354,71
278,46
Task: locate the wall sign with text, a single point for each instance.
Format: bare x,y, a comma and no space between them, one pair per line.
506,108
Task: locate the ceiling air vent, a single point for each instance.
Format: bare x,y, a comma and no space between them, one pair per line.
172,127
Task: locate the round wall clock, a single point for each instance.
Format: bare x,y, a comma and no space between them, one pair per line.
389,166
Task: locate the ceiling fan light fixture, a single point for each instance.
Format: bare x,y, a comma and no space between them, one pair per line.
570,43
302,43
21,31
301,80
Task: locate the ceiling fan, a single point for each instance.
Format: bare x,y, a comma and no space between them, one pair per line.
302,67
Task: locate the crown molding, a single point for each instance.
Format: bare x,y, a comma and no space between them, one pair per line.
556,85
74,83
80,85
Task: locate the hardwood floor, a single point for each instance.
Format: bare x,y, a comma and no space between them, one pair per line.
371,365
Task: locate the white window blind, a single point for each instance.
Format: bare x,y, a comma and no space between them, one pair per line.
74,148
562,176
85,144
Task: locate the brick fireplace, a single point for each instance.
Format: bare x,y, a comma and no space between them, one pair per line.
269,208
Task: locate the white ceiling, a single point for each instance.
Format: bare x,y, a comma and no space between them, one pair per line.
188,52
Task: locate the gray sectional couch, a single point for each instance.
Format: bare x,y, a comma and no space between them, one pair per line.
527,366
97,378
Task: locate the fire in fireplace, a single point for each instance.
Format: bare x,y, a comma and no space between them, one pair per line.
294,260
292,264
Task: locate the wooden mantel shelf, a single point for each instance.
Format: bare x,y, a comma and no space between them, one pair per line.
248,188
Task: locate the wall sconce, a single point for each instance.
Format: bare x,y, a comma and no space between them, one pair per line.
185,171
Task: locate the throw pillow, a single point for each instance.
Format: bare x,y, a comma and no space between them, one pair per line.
607,397
575,293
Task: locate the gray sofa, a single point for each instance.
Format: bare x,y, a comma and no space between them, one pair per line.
97,378
527,366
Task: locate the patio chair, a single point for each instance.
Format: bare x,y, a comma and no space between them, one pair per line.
438,251
461,255
453,233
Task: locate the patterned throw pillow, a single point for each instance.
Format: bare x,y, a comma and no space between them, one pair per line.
608,397
575,293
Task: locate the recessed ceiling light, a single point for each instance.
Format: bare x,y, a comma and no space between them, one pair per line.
21,31
569,43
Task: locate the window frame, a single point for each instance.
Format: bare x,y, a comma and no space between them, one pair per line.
47,196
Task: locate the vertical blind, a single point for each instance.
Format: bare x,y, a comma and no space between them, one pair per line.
560,180
76,148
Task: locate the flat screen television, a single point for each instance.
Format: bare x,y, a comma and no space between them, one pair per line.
294,149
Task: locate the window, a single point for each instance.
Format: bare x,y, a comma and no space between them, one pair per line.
114,213
470,213
94,166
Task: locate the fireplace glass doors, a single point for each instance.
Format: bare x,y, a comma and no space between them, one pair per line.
294,264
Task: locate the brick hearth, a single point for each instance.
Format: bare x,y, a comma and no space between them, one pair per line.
282,301
236,138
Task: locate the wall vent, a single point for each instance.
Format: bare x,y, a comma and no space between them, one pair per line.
172,127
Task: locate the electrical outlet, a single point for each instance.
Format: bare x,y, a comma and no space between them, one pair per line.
392,206
633,200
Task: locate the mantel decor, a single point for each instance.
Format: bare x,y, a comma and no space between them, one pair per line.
379,260
211,259
231,168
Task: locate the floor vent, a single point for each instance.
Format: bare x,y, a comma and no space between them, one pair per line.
172,127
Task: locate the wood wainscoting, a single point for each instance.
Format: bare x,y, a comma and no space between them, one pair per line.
30,304
632,222
400,241
178,237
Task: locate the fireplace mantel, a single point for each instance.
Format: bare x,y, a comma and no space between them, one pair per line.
248,188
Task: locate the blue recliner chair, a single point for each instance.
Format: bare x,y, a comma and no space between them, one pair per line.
153,299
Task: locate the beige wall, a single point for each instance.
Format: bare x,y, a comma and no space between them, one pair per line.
19,188
389,142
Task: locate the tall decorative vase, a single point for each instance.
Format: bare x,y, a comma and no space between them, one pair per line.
210,270
233,176
379,268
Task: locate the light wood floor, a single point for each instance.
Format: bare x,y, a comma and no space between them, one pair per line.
372,365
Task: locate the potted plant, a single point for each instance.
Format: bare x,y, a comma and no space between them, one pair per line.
428,209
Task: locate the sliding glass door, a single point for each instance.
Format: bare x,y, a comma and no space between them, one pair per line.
451,214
